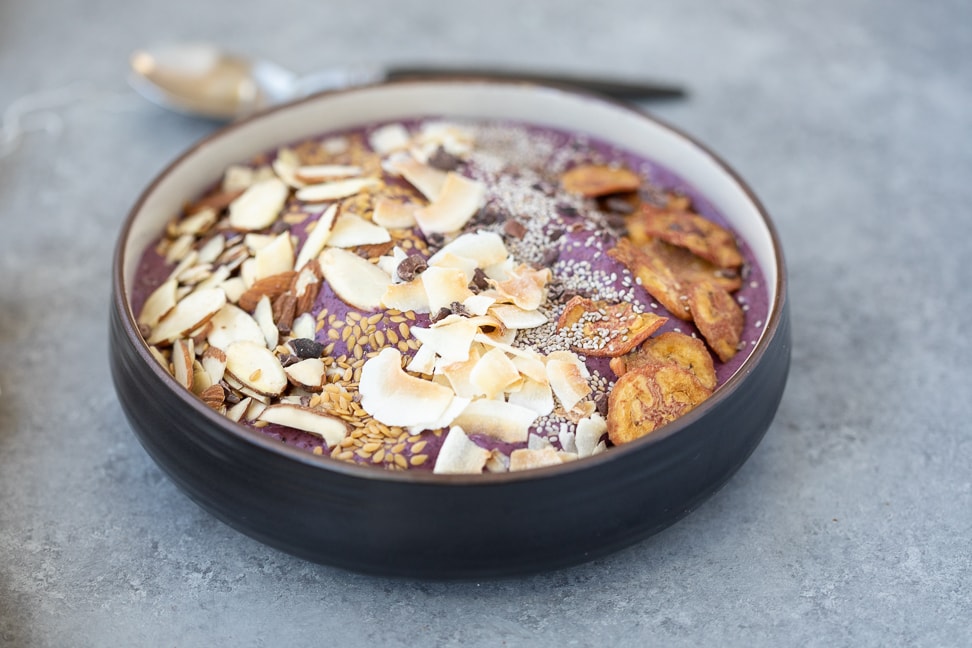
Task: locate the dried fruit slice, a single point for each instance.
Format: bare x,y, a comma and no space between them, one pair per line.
329,428
649,397
593,180
654,275
259,206
601,329
696,233
718,317
684,350
188,315
256,367
354,280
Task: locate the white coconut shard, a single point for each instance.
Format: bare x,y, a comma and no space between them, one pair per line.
445,286
188,315
394,397
535,396
389,138
493,374
450,341
355,280
317,238
409,296
527,459
498,419
351,230
256,367
457,202
459,455
483,247
588,434
329,428
259,206
567,381
428,180
445,420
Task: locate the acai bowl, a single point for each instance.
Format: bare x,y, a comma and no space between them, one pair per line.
449,329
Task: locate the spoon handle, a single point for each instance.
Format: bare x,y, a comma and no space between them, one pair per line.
617,88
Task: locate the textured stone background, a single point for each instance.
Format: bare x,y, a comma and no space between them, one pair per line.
851,523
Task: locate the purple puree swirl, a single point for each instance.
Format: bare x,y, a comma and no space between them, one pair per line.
520,166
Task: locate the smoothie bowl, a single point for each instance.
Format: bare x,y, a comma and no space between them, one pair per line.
449,329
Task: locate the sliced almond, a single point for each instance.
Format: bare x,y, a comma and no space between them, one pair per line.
160,302
236,412
335,190
390,137
256,367
331,429
272,287
263,315
498,419
198,222
351,230
188,315
212,249
275,257
317,173
231,324
259,206
285,165
394,214
317,237
394,397
354,280
308,374
214,362
459,455
457,202
182,359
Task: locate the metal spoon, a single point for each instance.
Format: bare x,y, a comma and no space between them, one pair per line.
201,79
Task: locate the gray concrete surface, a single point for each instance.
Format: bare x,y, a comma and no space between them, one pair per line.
850,525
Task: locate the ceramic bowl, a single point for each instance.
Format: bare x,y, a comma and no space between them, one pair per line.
419,524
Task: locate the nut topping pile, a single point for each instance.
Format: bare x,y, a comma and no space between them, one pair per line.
454,297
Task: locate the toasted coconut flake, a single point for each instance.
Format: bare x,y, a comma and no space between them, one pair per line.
458,374
589,433
444,286
512,316
160,302
527,459
445,420
428,180
451,341
459,455
454,261
409,296
259,206
534,395
493,374
483,247
394,397
394,214
423,362
189,314
256,367
525,287
353,279
317,238
351,230
567,380
331,429
458,201
498,419
317,173
334,190
478,304
285,165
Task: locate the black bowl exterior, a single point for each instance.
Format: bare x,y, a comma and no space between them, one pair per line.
432,526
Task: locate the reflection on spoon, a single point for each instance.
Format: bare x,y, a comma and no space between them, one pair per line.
201,79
